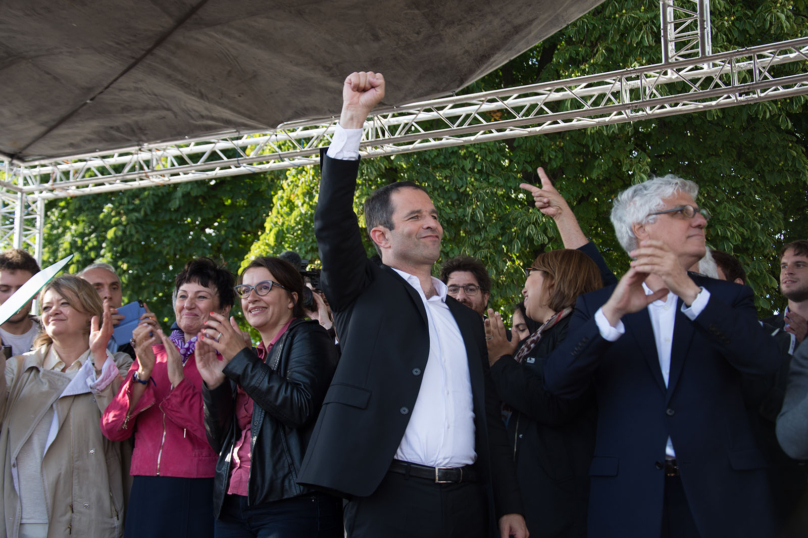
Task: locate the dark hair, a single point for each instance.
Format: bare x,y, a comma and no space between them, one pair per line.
532,324
379,210
470,265
205,272
729,265
571,273
286,275
16,259
800,248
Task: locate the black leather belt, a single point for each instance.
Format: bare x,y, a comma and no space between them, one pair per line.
671,468
439,475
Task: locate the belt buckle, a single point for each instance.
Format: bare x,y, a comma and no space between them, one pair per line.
437,475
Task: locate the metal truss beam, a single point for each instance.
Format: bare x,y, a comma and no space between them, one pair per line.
685,30
732,78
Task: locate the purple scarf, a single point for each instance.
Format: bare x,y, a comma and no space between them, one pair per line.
186,348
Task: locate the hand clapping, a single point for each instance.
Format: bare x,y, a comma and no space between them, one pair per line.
496,338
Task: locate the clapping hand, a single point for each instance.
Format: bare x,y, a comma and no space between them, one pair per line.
208,363
100,335
656,258
323,312
496,338
174,364
629,297
143,338
224,336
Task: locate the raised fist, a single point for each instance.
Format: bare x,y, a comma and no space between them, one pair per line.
361,93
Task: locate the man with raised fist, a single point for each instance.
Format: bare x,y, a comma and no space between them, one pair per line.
410,430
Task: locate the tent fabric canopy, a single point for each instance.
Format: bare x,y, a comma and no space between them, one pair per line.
88,75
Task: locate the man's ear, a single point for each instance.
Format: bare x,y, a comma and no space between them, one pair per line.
485,299
639,231
381,236
740,281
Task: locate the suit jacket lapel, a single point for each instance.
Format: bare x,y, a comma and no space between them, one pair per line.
639,325
683,332
419,304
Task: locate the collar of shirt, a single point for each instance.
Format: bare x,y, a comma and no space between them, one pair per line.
659,303
54,362
263,350
415,282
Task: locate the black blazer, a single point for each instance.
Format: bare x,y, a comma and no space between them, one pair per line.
384,339
552,440
287,401
702,410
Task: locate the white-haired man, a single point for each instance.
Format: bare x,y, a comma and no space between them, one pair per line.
105,280
666,350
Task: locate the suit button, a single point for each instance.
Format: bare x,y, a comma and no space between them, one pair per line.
416,371
659,466
403,410
670,412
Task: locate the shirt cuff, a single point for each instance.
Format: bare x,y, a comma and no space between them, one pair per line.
606,330
345,144
699,304
108,374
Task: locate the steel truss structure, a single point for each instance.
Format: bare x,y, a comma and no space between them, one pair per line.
690,79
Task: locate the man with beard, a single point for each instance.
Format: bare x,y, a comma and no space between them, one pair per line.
16,268
794,286
468,281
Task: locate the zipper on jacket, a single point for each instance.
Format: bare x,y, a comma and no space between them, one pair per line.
129,415
162,442
516,436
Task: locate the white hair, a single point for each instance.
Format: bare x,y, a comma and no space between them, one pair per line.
100,265
707,265
635,205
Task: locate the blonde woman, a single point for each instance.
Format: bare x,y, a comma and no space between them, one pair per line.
60,475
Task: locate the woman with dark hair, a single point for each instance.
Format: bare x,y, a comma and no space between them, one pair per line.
261,406
60,476
553,439
161,403
522,325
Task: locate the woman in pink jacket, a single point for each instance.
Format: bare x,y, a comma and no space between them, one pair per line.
161,403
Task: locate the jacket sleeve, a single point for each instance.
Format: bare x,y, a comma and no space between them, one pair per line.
118,422
296,399
219,411
184,407
606,274
345,270
507,499
524,390
736,333
570,368
792,423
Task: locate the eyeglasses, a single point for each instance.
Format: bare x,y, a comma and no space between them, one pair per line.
529,270
261,288
686,211
468,289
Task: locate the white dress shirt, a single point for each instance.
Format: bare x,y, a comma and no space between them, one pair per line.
441,429
663,316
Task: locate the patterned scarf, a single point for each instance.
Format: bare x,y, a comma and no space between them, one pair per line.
534,338
186,348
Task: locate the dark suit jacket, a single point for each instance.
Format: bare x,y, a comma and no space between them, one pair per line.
702,410
384,337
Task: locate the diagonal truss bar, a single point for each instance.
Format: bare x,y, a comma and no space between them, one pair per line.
732,78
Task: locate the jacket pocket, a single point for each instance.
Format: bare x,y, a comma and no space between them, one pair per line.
747,460
348,395
601,466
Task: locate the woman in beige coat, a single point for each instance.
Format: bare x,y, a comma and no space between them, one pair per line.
60,476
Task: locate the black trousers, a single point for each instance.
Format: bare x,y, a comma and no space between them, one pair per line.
677,519
408,507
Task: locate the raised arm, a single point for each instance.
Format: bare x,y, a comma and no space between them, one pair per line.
336,228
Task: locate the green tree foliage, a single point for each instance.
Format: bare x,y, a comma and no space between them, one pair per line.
750,161
149,234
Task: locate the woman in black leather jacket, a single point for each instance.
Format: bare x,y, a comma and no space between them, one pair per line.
553,439
267,399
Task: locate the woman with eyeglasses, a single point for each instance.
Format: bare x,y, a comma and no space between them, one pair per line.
552,439
261,406
160,403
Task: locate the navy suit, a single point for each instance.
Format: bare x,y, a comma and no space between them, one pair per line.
702,410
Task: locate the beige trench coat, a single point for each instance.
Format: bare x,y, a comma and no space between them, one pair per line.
84,474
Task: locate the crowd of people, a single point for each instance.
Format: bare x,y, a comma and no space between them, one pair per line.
381,401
